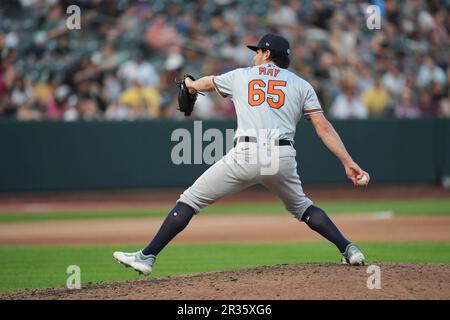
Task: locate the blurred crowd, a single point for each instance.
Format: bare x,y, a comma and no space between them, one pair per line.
122,62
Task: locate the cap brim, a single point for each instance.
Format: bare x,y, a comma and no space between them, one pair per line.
253,48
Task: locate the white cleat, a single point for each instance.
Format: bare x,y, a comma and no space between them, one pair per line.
353,256
136,260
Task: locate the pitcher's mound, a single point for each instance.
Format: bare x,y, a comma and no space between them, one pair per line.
306,281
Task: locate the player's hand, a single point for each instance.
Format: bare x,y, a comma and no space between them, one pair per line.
354,172
190,85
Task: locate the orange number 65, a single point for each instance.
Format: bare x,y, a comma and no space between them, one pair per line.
256,94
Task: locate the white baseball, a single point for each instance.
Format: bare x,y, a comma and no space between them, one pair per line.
363,181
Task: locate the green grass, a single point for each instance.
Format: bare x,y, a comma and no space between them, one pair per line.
45,266
398,207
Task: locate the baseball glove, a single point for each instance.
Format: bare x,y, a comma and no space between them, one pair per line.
186,100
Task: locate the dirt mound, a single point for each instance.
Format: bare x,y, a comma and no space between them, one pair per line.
306,281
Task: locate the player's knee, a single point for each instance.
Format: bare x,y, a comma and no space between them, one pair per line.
188,198
298,209
314,216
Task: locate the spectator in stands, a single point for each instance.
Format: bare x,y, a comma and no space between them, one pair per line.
98,63
447,84
161,36
321,14
58,103
393,81
107,59
376,99
282,17
429,72
406,109
205,108
444,108
23,98
7,108
427,106
140,71
349,105
87,108
43,92
22,94
142,101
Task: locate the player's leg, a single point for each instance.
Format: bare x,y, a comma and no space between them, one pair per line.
231,174
320,222
287,185
221,179
143,260
175,222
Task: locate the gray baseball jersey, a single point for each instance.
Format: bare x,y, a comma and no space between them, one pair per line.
267,99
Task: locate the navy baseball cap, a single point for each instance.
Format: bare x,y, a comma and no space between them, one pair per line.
272,42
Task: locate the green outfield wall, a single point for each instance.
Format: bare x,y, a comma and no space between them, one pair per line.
47,156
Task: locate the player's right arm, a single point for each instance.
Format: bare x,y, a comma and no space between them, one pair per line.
331,139
202,84
223,83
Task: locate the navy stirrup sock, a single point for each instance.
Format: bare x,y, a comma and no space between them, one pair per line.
319,221
174,223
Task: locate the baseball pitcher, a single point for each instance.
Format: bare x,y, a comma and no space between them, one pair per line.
269,102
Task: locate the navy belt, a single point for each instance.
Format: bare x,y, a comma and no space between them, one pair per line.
281,142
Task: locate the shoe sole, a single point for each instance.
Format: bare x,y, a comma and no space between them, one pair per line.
130,266
359,264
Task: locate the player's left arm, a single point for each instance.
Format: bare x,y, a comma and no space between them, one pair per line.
331,139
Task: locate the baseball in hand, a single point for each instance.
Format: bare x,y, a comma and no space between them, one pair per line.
363,181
